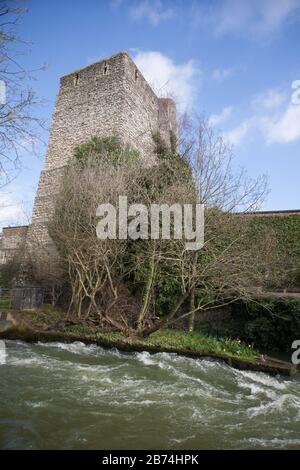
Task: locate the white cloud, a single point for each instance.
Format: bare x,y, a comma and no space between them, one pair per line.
218,119
221,74
271,15
270,99
236,135
179,81
277,120
11,211
285,128
152,10
257,17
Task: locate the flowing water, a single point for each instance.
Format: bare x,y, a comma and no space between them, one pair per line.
72,396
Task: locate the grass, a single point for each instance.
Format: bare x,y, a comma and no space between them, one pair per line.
175,340
5,303
167,339
46,316
198,341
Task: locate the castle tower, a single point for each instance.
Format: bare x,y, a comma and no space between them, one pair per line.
110,97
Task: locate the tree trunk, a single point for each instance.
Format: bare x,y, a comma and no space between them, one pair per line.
164,322
147,295
192,294
192,307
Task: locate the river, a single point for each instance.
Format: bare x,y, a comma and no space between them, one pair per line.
73,396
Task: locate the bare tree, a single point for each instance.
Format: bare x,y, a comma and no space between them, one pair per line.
95,267
19,125
232,261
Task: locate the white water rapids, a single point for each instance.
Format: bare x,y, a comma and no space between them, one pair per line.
73,396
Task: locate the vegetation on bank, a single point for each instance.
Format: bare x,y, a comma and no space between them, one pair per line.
144,285
50,325
178,340
5,303
49,319
270,324
140,287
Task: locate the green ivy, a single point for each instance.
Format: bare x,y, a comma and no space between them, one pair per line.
286,230
110,146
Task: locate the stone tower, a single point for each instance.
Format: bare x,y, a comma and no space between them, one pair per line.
110,97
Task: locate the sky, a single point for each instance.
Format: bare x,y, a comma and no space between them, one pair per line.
237,62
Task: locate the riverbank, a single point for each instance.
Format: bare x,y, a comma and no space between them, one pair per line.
48,327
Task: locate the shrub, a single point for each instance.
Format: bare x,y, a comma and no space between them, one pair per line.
111,147
274,324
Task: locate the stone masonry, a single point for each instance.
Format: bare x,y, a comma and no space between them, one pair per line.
12,240
110,97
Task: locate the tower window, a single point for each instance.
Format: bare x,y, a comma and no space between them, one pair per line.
105,68
76,79
136,74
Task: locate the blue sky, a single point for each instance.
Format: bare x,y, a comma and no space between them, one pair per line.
233,60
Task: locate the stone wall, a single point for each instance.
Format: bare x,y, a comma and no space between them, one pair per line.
282,213
11,241
105,98
144,113
110,97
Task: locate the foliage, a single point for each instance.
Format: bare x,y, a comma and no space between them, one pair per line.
166,281
180,340
272,324
176,339
197,341
170,163
5,303
110,146
45,316
94,266
286,266
9,272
